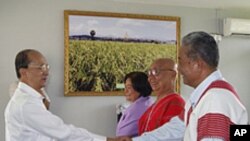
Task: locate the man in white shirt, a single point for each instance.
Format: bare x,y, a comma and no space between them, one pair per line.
13,87
213,106
26,115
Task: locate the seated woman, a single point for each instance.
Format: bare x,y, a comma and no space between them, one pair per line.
137,91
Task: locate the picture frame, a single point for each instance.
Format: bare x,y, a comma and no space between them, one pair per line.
101,47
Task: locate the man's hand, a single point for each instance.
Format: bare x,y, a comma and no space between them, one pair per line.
124,138
111,139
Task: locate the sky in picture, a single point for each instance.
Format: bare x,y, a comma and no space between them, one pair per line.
123,27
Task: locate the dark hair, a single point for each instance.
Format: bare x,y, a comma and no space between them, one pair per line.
202,45
139,82
22,60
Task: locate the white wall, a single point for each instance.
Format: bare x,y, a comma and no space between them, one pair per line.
235,56
38,24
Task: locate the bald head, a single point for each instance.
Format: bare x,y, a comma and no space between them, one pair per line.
162,76
166,63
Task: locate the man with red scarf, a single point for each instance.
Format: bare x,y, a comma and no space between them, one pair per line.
162,78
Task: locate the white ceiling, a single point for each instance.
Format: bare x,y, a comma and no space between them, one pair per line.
215,4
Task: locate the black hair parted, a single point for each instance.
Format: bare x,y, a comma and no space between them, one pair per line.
139,82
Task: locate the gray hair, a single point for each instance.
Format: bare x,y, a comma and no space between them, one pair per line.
202,45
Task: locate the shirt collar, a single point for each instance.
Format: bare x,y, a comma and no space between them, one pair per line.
141,100
29,90
198,91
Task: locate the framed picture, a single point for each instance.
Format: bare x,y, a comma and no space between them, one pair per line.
101,48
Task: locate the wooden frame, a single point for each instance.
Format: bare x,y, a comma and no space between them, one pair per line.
101,47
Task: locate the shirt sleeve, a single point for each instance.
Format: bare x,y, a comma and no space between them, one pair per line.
171,131
37,118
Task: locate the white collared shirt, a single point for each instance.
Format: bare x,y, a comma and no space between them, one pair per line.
198,91
27,119
196,94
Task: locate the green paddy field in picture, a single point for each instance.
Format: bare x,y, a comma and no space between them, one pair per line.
100,48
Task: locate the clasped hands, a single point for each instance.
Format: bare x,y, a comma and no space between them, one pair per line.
123,138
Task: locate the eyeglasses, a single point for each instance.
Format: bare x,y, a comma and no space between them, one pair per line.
42,67
156,72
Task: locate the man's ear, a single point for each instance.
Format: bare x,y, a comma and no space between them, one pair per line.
22,72
174,73
195,65
199,65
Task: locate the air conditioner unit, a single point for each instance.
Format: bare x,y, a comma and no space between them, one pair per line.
236,26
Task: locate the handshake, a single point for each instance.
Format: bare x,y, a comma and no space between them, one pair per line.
122,138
